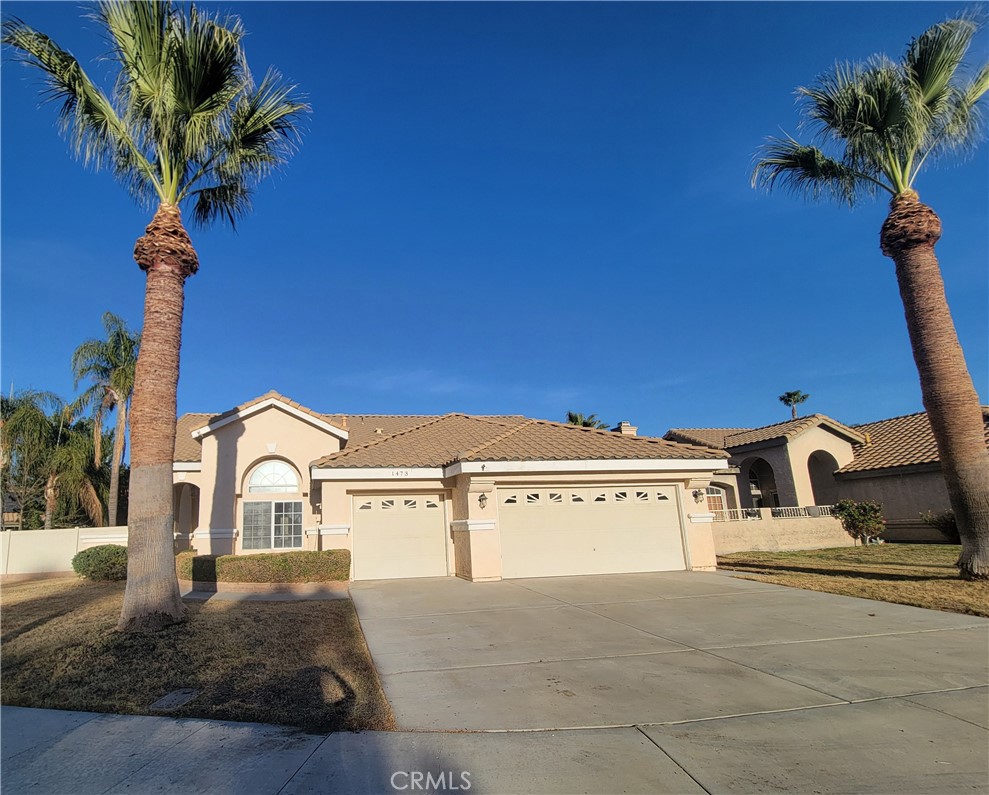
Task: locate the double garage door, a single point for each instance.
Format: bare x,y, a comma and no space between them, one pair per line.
554,531
399,535
545,532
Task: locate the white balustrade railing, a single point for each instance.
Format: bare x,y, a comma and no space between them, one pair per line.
748,514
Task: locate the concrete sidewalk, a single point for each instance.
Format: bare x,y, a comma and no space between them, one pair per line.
935,743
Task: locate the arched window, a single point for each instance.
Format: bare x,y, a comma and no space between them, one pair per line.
273,477
275,524
716,500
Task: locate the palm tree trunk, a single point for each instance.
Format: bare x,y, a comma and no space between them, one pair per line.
151,599
118,454
908,237
793,408
50,495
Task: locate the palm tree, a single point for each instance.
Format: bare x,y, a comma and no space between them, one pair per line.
47,458
109,364
884,120
184,124
590,421
793,399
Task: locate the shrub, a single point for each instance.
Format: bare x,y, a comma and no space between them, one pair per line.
863,521
944,523
105,562
330,565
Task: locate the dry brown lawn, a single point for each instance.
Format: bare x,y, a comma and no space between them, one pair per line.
301,664
911,574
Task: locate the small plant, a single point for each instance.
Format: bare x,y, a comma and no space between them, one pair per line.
863,521
102,563
944,523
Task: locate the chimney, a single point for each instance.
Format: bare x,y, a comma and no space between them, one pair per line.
625,429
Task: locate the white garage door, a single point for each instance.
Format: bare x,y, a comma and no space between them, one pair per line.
553,531
399,535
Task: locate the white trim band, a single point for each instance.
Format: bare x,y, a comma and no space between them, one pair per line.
187,466
214,533
501,467
104,538
472,525
329,530
589,465
701,518
377,473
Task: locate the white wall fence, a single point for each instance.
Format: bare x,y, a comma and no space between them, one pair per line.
777,530
45,551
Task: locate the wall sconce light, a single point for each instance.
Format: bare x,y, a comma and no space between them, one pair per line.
699,495
482,499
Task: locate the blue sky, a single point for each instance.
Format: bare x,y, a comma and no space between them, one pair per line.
510,208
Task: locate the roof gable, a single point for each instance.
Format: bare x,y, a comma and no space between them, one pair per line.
791,429
268,400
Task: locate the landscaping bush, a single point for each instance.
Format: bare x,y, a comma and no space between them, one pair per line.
332,565
105,562
863,521
944,523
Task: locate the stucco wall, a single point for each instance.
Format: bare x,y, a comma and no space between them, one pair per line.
779,535
904,497
230,453
800,450
778,459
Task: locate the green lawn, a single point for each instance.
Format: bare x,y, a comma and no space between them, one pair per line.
301,664
912,574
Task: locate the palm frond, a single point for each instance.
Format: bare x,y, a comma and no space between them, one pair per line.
187,121
933,58
86,116
228,201
807,171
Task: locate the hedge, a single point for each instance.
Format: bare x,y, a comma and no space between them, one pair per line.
103,563
331,565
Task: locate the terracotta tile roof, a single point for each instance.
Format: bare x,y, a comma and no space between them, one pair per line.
723,438
899,441
187,449
787,430
460,437
707,437
433,443
362,428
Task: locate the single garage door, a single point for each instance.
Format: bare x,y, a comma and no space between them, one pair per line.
399,535
553,531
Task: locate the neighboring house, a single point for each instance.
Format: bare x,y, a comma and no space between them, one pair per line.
480,497
815,461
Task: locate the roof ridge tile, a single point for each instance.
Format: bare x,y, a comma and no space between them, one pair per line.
494,440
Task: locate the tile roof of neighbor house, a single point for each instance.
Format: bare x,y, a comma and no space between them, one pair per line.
461,437
708,437
899,441
736,437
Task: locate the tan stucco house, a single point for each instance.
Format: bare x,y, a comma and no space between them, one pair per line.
816,461
479,497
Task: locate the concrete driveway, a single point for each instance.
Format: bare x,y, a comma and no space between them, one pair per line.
746,686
